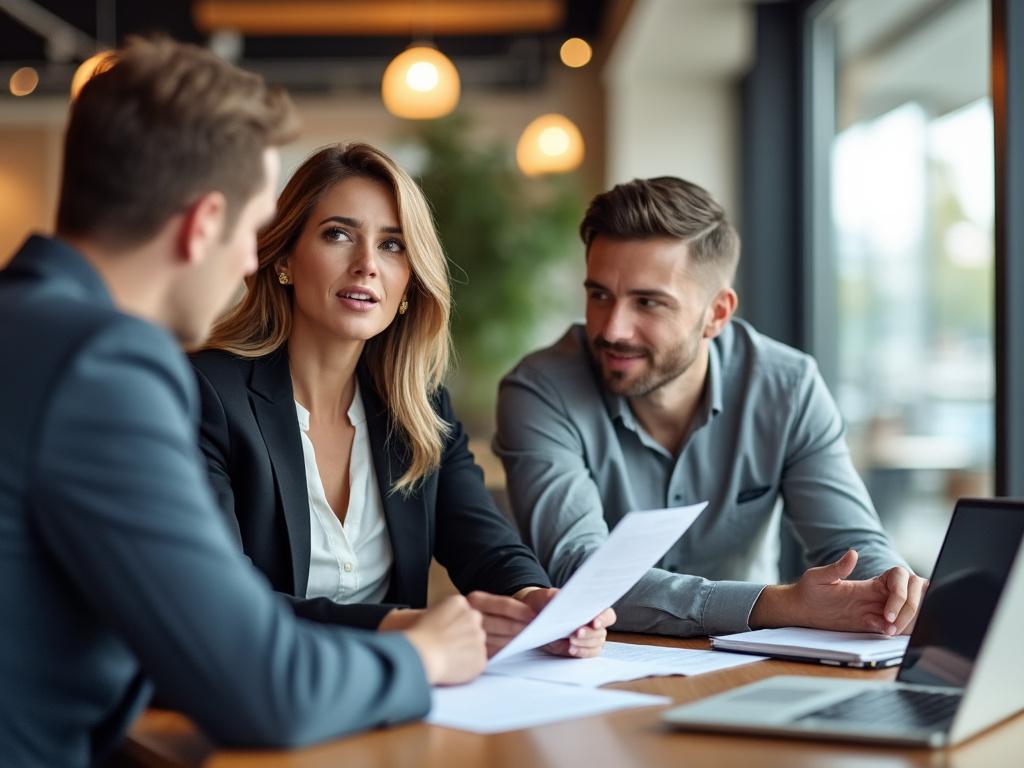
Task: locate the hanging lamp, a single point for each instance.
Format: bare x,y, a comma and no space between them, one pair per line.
550,144
420,83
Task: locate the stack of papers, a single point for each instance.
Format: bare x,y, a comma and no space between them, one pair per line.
534,688
524,687
840,648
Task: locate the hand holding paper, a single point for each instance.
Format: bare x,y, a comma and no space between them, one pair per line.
584,642
631,549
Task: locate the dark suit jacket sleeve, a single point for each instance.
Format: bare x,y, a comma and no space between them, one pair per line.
120,498
215,442
475,543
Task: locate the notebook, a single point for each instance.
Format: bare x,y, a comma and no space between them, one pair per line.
840,649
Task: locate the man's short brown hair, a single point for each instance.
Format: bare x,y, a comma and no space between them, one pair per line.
666,206
161,126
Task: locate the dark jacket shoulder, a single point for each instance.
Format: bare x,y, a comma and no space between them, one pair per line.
226,368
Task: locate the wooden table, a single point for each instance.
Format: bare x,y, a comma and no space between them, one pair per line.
631,737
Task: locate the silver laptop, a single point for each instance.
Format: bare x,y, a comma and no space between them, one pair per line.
962,673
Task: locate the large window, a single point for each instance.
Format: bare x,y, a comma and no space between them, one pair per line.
903,252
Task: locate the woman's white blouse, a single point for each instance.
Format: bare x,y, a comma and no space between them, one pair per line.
348,563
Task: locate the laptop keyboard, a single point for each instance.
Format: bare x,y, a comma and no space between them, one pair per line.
893,707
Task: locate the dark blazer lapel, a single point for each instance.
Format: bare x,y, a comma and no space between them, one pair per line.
405,515
273,404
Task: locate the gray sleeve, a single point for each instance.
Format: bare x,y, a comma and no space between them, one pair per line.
120,498
559,510
823,495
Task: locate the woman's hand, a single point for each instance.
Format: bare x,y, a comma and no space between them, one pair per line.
585,641
504,618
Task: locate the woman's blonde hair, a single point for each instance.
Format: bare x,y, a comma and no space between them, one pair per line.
407,360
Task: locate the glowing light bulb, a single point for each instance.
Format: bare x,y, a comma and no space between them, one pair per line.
553,141
422,76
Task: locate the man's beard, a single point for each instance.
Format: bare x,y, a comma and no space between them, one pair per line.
673,364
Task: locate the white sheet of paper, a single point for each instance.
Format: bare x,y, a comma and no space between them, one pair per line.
675,661
634,545
494,703
538,665
618,662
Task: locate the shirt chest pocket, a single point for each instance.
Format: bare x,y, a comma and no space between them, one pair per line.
752,508
753,493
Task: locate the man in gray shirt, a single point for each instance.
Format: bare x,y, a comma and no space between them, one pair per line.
664,399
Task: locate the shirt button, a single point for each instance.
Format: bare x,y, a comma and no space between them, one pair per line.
348,567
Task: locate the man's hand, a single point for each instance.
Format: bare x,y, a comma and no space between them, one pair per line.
450,641
586,641
824,599
904,593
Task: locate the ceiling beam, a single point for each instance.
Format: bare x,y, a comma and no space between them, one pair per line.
358,18
63,41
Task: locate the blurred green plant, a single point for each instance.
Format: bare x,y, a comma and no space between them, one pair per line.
506,236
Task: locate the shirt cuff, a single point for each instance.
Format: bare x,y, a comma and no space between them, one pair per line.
728,606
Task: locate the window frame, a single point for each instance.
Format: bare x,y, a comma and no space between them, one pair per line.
818,75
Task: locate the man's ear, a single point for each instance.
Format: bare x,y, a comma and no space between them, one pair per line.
720,311
202,226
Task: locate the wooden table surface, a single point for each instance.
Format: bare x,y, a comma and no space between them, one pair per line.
627,738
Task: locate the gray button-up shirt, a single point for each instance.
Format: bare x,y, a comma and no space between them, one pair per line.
767,441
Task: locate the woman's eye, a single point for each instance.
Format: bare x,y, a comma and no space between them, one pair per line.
393,245
335,235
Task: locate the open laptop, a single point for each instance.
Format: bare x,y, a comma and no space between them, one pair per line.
962,671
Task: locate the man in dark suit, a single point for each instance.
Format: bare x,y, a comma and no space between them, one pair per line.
116,571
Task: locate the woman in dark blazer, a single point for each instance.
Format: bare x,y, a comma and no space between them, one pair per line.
331,444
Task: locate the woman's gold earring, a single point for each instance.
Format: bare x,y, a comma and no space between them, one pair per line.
283,279
403,307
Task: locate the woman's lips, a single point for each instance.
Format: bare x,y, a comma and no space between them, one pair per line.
356,304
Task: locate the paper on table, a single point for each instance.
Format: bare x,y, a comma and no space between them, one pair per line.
675,661
617,662
638,541
494,703
538,665
822,643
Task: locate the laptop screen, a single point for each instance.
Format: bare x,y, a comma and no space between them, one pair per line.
980,546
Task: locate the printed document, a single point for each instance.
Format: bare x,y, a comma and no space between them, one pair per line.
633,547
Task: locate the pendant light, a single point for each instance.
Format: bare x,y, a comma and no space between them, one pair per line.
550,144
420,83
